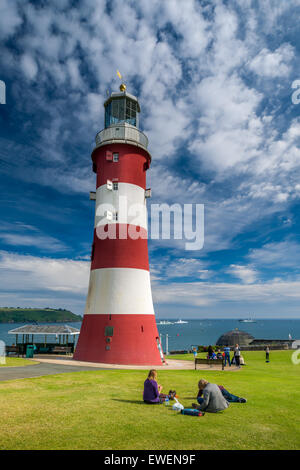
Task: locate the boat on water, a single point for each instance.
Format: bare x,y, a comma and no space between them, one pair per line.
165,322
180,322
247,320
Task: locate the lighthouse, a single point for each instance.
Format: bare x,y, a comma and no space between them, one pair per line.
119,324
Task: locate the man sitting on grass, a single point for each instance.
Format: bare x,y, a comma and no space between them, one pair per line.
214,398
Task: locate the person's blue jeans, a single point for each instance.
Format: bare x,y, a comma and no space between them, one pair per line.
227,358
227,395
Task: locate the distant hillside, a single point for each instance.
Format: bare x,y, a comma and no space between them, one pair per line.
39,315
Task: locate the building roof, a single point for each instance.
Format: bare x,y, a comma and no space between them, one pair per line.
279,341
233,337
45,330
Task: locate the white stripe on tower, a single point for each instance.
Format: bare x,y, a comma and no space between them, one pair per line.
119,291
128,201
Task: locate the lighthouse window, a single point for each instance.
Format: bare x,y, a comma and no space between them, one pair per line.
121,110
109,331
115,186
130,115
115,216
115,157
115,114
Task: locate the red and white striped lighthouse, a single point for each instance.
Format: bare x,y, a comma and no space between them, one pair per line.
119,324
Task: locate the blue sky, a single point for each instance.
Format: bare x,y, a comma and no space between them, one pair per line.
214,81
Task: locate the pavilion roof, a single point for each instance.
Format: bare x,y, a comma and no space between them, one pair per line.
45,330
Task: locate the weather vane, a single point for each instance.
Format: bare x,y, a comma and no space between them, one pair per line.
122,86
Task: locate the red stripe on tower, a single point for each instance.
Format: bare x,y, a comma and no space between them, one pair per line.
119,324
132,165
120,252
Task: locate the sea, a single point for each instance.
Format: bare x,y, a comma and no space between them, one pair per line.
182,336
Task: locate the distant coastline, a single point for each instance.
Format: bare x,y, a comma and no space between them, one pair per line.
38,315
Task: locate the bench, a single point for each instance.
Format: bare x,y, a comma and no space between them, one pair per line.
209,362
12,349
62,349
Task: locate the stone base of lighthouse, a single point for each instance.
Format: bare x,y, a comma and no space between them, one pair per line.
119,339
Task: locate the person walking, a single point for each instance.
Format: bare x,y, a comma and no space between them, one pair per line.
237,355
227,355
267,354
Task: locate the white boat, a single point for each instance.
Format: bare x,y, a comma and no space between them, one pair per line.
247,320
180,322
165,322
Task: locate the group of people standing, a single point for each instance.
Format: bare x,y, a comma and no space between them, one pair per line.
237,357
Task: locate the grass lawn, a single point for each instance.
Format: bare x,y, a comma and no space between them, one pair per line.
104,410
17,362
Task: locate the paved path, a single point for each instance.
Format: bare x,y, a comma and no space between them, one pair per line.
171,364
49,365
37,370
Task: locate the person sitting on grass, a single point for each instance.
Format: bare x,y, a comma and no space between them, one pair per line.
242,361
212,400
152,391
227,395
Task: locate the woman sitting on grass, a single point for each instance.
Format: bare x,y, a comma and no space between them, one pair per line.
152,391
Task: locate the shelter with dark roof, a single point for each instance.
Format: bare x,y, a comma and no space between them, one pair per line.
233,337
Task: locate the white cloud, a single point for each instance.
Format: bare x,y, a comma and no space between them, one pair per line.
208,294
166,269
38,241
246,274
24,273
29,66
273,64
21,235
277,254
9,18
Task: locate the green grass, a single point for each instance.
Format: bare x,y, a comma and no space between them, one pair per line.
104,410
17,362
